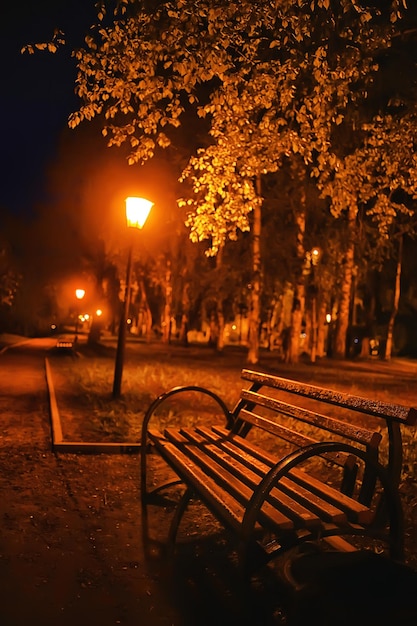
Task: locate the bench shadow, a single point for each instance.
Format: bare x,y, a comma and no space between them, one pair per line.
199,577
204,584
360,588
202,581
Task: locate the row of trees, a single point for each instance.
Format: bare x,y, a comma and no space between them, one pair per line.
292,125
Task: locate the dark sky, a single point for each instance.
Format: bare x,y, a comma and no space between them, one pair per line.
37,93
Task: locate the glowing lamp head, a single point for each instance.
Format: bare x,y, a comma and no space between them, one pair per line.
315,255
137,211
79,294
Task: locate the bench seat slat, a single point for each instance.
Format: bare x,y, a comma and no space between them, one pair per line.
292,498
340,459
258,453
202,471
232,511
301,515
228,509
238,446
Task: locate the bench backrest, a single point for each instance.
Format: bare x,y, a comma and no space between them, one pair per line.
377,408
263,396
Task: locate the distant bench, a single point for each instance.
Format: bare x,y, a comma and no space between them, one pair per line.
291,463
65,344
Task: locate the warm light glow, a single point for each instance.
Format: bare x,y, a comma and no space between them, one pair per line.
328,318
137,211
79,293
315,255
99,312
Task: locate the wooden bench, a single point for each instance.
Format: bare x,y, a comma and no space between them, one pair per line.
291,463
65,344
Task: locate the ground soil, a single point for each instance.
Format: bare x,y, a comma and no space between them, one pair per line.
76,548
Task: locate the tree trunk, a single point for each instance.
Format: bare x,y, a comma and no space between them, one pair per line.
166,321
255,301
185,317
219,305
397,293
342,322
213,331
220,322
148,325
144,305
94,335
277,325
322,328
314,329
299,290
296,323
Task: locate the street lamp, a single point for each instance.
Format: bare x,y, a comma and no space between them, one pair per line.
79,294
137,211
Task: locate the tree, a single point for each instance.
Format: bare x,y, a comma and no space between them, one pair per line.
378,179
9,283
276,80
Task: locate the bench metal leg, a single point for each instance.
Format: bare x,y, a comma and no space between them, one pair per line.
151,495
154,496
179,512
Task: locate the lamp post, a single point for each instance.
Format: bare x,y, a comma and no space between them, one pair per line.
137,211
79,294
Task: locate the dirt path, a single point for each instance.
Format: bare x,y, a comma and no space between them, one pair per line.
72,548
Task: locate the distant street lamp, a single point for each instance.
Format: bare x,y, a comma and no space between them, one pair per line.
79,294
137,211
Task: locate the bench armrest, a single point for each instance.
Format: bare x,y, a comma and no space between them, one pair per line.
175,391
392,499
157,403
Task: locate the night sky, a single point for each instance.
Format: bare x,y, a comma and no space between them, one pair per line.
37,93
